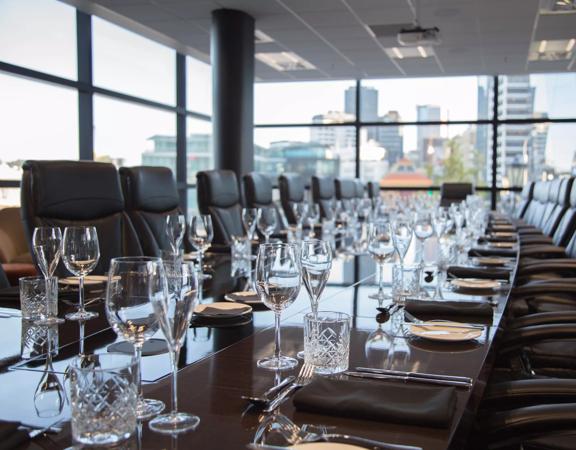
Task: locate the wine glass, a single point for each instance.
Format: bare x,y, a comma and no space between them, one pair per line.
278,284
249,217
201,235
300,210
381,248
175,228
173,312
401,236
440,222
80,253
423,230
316,262
133,283
267,222
47,245
313,217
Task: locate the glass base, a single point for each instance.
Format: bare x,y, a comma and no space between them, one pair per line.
81,315
300,354
47,321
175,422
273,363
148,407
379,297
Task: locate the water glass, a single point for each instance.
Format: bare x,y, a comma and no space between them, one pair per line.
37,339
103,396
201,235
267,222
34,303
241,247
405,281
327,341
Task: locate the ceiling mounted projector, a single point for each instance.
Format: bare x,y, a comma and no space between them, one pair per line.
419,36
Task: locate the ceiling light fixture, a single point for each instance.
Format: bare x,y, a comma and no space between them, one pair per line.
261,38
398,53
570,45
422,52
284,61
542,46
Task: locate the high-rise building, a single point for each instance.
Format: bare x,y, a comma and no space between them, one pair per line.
390,137
369,103
428,136
340,140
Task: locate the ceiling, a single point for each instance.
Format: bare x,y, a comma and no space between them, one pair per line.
478,36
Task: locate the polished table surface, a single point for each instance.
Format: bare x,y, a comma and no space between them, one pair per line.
218,364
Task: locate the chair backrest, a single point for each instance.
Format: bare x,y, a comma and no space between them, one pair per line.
454,192
373,188
218,195
79,193
558,203
4,283
13,244
567,226
323,194
258,190
525,199
151,195
360,188
345,189
292,190
537,207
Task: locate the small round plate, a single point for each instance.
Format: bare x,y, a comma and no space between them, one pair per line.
490,261
325,446
88,280
502,244
474,283
247,297
222,310
437,332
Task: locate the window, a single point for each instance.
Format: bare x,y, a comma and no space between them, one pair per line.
39,121
39,35
305,102
325,151
199,154
131,64
9,196
128,134
198,86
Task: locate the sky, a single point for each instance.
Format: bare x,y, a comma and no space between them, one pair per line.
39,120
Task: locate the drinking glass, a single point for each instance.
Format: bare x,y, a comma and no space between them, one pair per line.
381,248
423,230
401,236
201,235
315,262
313,217
267,222
133,283
173,313
300,210
327,341
175,228
278,284
249,217
440,222
47,246
80,253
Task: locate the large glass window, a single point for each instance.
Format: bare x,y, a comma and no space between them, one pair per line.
326,151
39,121
128,134
199,155
128,63
39,35
305,102
198,86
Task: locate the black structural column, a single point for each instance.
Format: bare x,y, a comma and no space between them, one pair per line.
233,86
85,104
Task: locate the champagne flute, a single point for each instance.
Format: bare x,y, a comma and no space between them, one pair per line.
47,245
133,283
381,248
316,262
423,229
173,312
80,253
401,236
300,210
201,235
278,284
175,228
313,217
267,222
249,217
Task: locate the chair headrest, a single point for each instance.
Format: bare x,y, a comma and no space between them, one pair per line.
527,191
73,190
258,189
323,187
359,185
150,189
292,187
564,191
541,190
456,190
345,189
217,188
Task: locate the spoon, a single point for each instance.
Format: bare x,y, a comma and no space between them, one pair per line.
264,399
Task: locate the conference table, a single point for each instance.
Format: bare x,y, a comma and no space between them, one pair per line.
218,363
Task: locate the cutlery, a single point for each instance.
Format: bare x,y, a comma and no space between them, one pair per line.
264,399
442,323
368,443
415,374
304,377
406,378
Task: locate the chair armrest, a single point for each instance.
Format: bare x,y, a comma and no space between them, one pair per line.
544,287
532,391
542,251
527,335
565,266
544,318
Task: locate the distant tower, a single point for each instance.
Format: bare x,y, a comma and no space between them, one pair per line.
368,102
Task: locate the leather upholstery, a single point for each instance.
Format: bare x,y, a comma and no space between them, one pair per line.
151,195
530,392
323,194
373,189
345,189
4,283
359,188
454,193
292,190
66,193
258,190
536,210
525,198
218,195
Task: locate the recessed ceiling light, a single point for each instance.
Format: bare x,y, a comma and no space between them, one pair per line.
542,46
418,52
261,38
422,52
397,52
552,50
570,45
284,61
557,6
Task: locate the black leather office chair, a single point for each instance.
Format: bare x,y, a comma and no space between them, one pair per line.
4,283
345,189
373,189
525,198
360,188
258,194
68,193
323,194
218,195
292,190
454,192
151,195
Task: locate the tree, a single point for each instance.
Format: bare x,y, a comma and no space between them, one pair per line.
455,169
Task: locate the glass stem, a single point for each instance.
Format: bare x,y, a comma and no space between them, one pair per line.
138,355
314,304
277,335
81,336
402,277
380,282
48,296
200,262
81,293
174,357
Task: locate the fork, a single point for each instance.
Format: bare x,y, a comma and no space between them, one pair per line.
304,377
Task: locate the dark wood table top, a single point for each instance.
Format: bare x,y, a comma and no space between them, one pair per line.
218,365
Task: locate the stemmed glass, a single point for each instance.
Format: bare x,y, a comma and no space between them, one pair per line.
173,312
316,262
267,222
133,283
249,217
300,210
401,236
381,248
313,217
47,242
423,230
278,284
80,253
175,228
201,235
